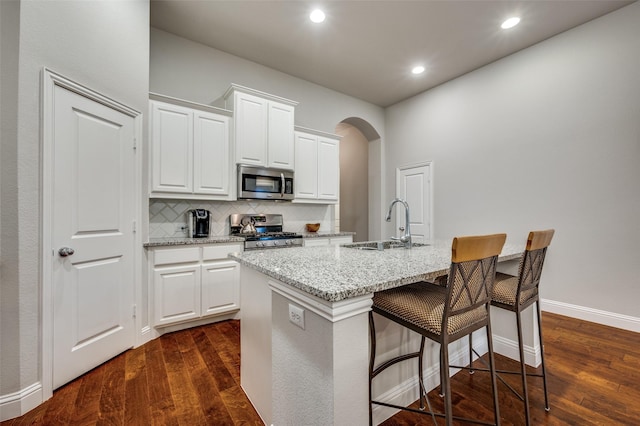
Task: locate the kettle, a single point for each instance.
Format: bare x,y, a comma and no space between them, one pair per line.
248,225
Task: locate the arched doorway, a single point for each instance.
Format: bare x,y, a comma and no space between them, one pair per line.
360,179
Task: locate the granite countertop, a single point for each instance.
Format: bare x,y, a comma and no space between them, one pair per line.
336,272
182,241
221,239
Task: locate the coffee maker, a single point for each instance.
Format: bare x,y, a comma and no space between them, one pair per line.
199,221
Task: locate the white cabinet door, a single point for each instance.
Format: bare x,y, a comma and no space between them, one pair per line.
176,293
306,171
250,118
211,153
171,148
328,169
220,289
317,168
280,136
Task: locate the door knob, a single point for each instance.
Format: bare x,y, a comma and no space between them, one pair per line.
66,251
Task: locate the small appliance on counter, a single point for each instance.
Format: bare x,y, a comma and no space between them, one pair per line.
199,221
262,231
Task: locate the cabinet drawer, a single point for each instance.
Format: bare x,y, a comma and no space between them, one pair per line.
176,255
219,251
341,240
316,242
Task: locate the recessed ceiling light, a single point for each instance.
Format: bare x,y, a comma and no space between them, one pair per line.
419,69
510,23
317,16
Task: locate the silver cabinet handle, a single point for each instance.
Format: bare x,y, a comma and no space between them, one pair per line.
66,251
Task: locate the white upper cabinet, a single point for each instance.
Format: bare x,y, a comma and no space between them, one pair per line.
171,148
317,171
190,150
250,121
280,151
306,172
263,125
211,168
328,168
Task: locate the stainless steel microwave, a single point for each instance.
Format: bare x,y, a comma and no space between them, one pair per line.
261,183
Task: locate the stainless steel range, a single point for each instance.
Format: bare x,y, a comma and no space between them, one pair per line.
262,231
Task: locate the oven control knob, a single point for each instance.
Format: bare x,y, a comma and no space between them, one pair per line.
259,244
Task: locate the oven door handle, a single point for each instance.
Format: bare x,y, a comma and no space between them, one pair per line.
281,185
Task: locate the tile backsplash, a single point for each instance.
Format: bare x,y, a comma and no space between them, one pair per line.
166,217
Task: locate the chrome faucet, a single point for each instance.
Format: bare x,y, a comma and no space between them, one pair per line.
406,238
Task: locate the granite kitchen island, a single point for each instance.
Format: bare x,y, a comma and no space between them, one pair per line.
304,327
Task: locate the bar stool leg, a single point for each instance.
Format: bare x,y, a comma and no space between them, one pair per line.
372,358
422,390
544,370
471,371
442,375
494,377
523,370
446,384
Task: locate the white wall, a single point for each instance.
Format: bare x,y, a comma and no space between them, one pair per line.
104,45
9,291
546,138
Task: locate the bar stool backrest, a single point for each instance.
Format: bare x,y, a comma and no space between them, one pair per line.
471,277
531,265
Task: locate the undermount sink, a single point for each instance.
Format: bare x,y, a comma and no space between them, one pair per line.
373,245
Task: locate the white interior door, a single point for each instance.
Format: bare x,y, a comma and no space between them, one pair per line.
93,213
413,184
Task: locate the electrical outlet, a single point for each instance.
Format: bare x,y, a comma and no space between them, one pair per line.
296,315
181,228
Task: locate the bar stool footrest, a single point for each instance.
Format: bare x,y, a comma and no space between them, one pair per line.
431,413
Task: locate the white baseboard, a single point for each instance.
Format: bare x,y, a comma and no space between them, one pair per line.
17,403
509,348
611,319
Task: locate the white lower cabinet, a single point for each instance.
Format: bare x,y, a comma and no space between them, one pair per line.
177,294
194,282
327,241
220,289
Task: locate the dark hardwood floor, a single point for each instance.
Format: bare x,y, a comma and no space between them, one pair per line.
192,377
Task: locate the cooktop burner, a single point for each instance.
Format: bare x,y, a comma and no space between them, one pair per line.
262,231
269,235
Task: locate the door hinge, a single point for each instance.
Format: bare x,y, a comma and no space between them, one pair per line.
135,144
134,310
134,227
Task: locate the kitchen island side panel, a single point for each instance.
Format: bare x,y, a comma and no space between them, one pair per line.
255,341
319,372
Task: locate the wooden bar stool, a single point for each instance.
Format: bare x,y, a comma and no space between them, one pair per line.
443,315
515,294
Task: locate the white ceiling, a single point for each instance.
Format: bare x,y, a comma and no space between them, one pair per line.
366,49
